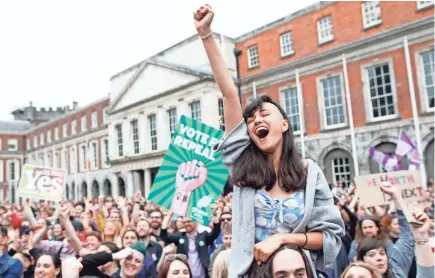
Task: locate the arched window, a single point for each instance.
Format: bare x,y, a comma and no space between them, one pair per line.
339,167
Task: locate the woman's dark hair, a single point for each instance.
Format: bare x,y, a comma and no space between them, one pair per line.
382,236
254,169
265,270
368,244
55,259
112,246
164,270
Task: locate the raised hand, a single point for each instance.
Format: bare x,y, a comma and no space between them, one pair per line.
170,249
137,197
191,175
421,232
64,212
203,18
123,254
389,189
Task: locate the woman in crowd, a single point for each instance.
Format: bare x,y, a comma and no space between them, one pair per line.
360,269
412,240
129,238
48,266
369,227
278,197
175,266
220,265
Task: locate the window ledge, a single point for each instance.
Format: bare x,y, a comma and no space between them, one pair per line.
375,122
424,8
334,128
322,43
253,68
428,112
287,56
377,24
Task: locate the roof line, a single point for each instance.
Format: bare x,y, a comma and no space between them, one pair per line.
185,41
68,114
283,20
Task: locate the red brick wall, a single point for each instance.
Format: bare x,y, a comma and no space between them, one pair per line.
347,26
310,90
4,142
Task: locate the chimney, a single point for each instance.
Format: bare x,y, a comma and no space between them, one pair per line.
31,104
75,105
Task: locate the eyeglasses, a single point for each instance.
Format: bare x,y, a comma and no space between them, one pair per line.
226,219
172,257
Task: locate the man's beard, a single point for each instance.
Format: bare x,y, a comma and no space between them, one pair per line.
142,237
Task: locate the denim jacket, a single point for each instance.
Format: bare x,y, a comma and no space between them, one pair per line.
10,267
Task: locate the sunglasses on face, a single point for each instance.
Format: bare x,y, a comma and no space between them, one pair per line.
226,219
172,257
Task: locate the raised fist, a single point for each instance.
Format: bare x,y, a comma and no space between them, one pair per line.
203,19
191,175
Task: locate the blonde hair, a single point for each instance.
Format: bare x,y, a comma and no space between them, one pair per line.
220,265
373,271
118,228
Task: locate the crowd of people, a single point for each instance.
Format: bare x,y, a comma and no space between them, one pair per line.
280,218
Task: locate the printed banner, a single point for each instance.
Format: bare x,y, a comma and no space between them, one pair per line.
370,194
42,183
192,176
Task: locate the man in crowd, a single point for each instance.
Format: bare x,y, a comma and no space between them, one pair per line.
9,267
154,250
155,218
193,244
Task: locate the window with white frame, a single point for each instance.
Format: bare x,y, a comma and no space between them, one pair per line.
41,160
56,133
195,110
427,61
118,129
291,107
333,102
12,145
221,114
65,130
56,160
83,123
172,117
286,44
41,139
49,160
73,160
12,173
381,91
135,133
65,159
74,127
35,141
94,117
0,144
105,115
153,131
83,166
371,13
49,137
95,155
1,171
106,150
27,144
341,170
325,29
424,4
253,57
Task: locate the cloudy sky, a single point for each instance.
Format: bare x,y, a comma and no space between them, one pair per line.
55,52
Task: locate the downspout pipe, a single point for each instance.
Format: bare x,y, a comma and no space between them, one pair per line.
237,53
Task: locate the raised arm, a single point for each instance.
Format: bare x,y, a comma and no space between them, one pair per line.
232,109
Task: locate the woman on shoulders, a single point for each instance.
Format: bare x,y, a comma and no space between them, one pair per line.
278,198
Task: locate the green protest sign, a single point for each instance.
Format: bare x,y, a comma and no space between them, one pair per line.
192,175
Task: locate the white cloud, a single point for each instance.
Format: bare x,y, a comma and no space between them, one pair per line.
55,52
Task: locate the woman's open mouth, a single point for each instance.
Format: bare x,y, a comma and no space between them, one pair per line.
262,132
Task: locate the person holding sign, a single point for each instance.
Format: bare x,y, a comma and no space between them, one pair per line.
414,238
278,198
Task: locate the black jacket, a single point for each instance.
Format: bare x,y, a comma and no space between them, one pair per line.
203,241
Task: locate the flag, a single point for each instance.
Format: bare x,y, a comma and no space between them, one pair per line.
414,159
88,156
388,162
404,145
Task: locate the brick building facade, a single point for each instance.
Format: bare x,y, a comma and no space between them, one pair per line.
311,43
